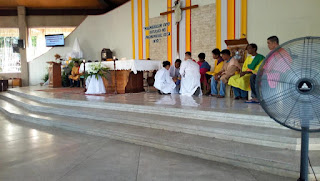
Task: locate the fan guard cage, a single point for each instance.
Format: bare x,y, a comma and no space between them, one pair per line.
288,84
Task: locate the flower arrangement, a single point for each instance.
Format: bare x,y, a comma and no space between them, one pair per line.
97,70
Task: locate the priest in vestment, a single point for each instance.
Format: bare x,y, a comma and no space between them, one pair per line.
163,82
190,77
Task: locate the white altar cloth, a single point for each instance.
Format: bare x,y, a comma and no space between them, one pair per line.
94,85
133,65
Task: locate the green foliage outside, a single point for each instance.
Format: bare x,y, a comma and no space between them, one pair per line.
34,41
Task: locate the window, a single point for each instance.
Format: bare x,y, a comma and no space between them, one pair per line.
9,59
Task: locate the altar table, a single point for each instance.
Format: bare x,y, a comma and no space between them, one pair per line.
128,74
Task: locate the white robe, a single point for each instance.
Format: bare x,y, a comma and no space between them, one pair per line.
190,77
164,82
95,86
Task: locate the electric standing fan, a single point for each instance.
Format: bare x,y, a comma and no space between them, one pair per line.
288,88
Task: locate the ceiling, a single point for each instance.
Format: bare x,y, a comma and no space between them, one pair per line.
59,7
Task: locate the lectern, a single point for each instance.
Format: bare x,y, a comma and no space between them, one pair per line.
54,74
238,45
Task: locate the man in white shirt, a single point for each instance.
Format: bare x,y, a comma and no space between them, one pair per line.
163,82
190,77
174,73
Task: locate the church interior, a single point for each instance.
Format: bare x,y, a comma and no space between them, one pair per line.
134,90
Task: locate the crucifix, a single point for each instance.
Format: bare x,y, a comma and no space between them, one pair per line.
177,12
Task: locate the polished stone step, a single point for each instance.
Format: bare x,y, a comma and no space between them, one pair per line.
225,117
273,160
271,137
244,119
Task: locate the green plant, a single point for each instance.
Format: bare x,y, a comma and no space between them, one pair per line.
46,77
65,79
71,64
76,60
97,70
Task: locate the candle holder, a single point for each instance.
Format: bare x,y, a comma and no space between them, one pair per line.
115,75
84,77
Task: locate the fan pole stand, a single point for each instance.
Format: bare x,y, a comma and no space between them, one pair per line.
304,167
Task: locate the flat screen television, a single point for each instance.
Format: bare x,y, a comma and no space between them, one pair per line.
54,40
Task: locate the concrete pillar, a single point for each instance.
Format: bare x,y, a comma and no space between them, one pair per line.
23,35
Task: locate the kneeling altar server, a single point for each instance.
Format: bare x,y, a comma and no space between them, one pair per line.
163,82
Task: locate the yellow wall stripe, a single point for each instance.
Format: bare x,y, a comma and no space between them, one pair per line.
147,31
243,32
188,26
140,29
169,40
218,24
133,35
231,19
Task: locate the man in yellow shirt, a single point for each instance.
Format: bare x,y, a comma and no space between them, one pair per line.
241,82
217,68
75,75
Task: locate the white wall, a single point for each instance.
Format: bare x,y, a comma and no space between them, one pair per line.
42,21
158,6
111,30
8,21
287,19
54,21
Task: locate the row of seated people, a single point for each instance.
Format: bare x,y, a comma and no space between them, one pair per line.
189,77
228,71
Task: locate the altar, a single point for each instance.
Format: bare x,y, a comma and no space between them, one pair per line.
126,75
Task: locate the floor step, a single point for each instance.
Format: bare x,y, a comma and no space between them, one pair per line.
215,129
225,117
273,160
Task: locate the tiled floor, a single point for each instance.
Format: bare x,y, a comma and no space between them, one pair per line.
30,152
153,99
